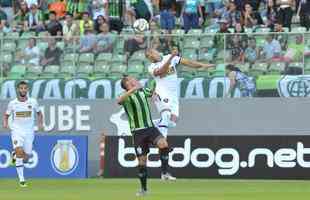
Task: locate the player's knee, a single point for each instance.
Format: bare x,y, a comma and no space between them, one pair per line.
165,117
19,152
162,143
142,160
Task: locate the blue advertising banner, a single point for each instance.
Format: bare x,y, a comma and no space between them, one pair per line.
53,157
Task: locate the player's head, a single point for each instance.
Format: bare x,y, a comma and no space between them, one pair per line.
152,54
129,82
22,88
231,67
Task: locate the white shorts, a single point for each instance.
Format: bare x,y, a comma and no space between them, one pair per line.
165,102
23,140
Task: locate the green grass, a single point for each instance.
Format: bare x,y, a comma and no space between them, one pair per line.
124,189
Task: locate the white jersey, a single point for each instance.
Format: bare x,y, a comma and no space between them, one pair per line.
167,85
22,115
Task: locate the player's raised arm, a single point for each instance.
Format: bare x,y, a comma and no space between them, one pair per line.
195,64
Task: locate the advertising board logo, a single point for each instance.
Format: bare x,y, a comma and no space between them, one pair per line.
64,157
294,86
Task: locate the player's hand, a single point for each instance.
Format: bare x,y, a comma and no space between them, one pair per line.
40,127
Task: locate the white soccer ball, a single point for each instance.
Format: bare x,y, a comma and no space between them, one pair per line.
140,25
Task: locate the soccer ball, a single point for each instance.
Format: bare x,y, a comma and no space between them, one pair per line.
140,25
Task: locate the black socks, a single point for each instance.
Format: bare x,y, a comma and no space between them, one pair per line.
143,176
164,157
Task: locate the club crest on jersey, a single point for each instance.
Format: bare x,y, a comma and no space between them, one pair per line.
15,142
29,106
166,100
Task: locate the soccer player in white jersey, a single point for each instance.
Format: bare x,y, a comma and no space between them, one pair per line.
23,111
164,71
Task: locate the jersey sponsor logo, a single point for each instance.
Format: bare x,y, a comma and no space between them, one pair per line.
23,114
64,157
166,100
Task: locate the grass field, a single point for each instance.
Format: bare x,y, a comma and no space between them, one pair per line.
124,189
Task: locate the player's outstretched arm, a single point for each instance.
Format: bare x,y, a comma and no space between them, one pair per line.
195,64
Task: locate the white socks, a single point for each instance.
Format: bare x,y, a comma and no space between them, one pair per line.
20,169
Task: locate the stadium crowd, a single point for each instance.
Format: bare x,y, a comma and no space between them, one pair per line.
88,25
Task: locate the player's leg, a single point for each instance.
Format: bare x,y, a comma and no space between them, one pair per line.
161,142
28,144
18,143
142,149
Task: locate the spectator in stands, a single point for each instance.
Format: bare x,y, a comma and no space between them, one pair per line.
271,14
52,54
305,13
237,53
234,15
167,15
70,29
20,17
98,22
271,49
278,28
285,12
223,12
251,18
31,54
3,20
77,7
59,7
86,22
34,19
88,40
99,8
192,15
133,44
219,38
54,27
212,6
7,7
255,4
136,9
239,28
104,40
251,52
30,2
295,50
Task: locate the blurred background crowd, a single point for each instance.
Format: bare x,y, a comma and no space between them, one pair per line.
95,38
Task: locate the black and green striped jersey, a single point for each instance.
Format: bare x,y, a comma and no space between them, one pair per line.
138,109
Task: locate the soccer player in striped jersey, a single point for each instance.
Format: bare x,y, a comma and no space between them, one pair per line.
164,71
135,103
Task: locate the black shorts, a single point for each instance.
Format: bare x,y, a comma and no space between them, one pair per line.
144,138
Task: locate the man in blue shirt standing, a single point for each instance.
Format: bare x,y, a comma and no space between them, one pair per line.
192,19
